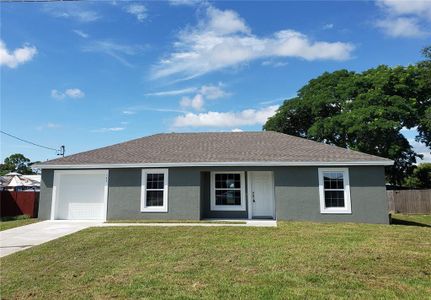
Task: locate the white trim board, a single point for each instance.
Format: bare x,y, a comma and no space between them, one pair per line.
214,207
347,209
222,164
164,207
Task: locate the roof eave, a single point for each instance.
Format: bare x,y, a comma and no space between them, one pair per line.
217,164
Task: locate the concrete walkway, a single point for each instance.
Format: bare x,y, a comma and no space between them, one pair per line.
210,223
24,237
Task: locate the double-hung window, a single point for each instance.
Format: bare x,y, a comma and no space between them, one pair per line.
227,191
334,190
154,190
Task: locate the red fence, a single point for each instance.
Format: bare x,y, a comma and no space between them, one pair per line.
19,203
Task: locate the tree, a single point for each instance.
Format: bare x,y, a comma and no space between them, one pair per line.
16,163
421,177
424,103
363,111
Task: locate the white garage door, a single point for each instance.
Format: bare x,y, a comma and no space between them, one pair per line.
80,195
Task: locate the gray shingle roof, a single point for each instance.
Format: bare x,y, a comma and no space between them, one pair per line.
217,147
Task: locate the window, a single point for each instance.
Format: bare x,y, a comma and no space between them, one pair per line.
227,191
154,190
334,191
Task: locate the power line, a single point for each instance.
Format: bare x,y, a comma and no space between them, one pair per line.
28,142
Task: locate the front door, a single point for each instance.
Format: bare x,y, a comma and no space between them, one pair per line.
261,194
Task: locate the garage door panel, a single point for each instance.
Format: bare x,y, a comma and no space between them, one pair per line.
85,211
81,195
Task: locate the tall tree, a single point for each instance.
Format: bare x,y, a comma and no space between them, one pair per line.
424,99
420,177
16,163
363,111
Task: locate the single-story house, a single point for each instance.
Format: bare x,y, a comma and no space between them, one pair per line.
229,175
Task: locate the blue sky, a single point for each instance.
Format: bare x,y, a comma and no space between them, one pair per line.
90,74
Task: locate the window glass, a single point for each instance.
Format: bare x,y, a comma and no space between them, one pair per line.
223,181
334,198
155,181
155,189
334,189
227,197
154,198
333,180
228,189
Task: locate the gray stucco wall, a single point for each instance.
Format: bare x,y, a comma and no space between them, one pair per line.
124,197
45,198
296,195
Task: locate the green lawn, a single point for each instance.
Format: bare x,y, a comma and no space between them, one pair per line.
294,260
414,220
11,222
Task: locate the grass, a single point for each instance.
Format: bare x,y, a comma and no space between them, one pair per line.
412,220
294,260
12,222
177,221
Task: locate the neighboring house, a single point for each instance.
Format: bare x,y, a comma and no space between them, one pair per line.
216,175
17,182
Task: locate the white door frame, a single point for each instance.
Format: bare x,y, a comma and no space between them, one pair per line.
57,175
249,195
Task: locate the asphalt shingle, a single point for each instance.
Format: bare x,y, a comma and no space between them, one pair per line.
264,146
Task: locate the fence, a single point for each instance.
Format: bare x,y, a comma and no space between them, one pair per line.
409,201
19,203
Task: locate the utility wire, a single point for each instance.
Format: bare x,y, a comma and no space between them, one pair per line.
28,142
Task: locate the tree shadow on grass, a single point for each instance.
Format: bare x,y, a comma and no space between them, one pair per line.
395,221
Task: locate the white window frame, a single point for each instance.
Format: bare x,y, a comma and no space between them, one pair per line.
164,207
347,209
215,207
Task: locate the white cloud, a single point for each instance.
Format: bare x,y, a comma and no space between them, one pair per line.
222,39
109,129
222,119
400,27
71,11
138,10
173,92
129,112
49,126
416,7
213,91
135,109
274,63
17,56
74,93
196,102
237,130
184,2
115,50
210,92
405,18
328,26
81,33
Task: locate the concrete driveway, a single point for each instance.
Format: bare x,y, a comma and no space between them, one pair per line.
24,237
